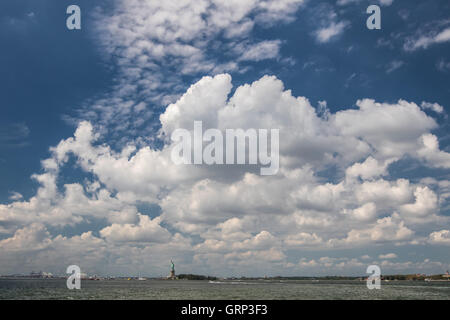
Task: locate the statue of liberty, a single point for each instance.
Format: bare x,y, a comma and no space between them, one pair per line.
172,270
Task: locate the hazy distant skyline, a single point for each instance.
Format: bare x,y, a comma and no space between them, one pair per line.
85,167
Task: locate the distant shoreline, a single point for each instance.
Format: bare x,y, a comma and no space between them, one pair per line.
397,277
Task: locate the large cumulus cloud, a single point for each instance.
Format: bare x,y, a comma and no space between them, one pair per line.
225,216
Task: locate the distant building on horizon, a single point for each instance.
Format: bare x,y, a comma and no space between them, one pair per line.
446,275
41,274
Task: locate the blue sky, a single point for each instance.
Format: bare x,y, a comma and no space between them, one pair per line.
111,81
47,72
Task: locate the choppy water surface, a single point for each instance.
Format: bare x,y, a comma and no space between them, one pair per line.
239,290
